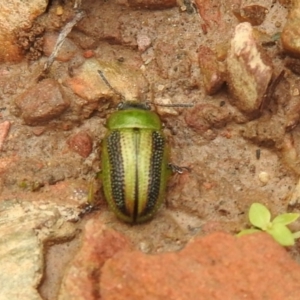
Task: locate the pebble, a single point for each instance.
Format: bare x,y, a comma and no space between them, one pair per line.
41,103
59,10
254,14
212,77
264,177
143,42
248,72
290,36
165,110
81,143
88,84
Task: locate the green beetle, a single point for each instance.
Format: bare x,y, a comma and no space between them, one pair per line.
134,165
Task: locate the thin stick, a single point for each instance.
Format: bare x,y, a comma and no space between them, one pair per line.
61,38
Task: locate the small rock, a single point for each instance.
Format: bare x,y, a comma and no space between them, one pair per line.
212,77
295,196
143,42
286,95
88,84
210,12
290,156
83,41
165,110
99,244
88,54
59,10
264,177
25,228
248,72
38,130
81,143
4,129
104,26
41,103
256,263
254,14
15,16
65,53
290,36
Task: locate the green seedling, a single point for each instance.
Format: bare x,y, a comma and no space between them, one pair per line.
260,218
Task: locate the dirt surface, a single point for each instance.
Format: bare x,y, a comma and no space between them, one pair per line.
50,141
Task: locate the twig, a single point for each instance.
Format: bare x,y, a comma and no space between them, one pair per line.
61,38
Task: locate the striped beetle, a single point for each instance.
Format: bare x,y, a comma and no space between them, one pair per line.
134,161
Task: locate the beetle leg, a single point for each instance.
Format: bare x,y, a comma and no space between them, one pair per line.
177,169
91,203
86,209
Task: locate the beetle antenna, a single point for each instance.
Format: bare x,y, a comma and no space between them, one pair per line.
109,85
176,105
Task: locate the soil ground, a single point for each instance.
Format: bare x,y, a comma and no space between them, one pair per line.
225,165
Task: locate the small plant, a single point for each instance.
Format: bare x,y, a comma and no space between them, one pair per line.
260,218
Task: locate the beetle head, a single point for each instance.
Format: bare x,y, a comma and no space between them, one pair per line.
133,104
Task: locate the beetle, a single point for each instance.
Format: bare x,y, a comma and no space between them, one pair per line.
134,162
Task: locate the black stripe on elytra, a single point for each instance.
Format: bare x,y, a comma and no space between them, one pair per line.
158,146
136,135
117,170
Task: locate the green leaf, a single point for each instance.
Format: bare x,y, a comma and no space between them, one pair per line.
259,215
281,234
296,235
286,219
247,231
